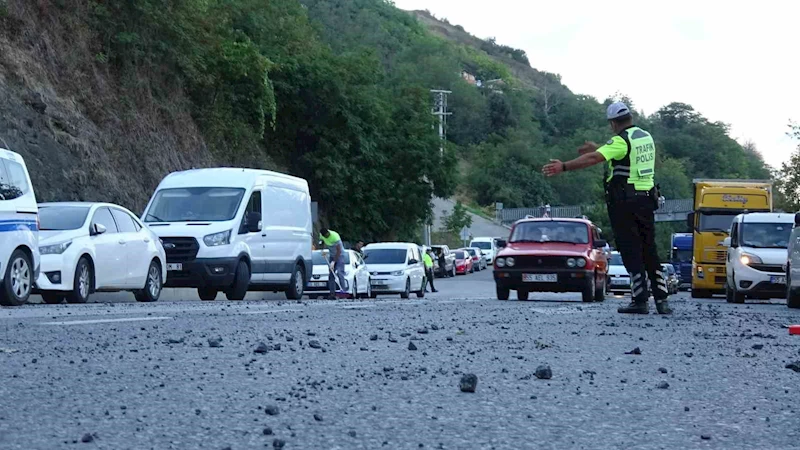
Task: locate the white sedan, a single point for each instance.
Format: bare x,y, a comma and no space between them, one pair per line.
356,276
93,247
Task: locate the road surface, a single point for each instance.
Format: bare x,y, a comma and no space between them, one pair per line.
344,374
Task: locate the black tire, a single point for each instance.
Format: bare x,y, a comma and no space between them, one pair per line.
83,283
736,296
297,284
207,294
18,280
600,293
700,293
453,271
502,292
355,289
421,292
472,269
792,294
368,294
588,292
522,295
53,298
240,283
152,286
407,292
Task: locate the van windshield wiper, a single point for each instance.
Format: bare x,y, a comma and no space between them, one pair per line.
158,219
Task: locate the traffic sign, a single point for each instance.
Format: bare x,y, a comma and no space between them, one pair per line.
464,234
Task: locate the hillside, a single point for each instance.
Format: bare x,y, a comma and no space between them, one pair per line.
103,98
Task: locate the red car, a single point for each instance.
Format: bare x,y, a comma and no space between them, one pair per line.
552,255
464,263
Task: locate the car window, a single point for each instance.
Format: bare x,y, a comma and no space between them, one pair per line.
13,183
615,260
125,223
103,217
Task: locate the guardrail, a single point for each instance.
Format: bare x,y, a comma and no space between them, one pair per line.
670,211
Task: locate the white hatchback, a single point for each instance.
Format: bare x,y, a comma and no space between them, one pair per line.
19,235
395,268
356,275
619,281
92,247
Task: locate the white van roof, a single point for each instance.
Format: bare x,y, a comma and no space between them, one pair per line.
224,177
767,218
483,239
8,154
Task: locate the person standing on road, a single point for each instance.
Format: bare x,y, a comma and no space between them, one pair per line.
332,241
428,260
357,248
632,200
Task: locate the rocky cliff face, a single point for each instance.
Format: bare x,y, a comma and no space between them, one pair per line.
86,132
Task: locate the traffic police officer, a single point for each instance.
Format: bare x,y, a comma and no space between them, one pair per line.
632,200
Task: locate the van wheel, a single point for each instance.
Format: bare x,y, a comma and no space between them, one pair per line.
84,280
407,292
152,287
207,294
18,280
296,284
52,298
421,292
792,294
522,295
240,282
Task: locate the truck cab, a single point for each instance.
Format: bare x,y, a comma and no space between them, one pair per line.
716,203
681,258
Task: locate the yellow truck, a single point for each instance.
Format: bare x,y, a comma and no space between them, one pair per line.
716,203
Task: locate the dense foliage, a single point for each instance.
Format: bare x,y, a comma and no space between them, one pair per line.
337,91
788,177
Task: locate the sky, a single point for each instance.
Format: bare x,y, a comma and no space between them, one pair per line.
737,64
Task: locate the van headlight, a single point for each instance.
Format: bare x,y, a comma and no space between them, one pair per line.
397,273
217,239
748,259
501,262
55,249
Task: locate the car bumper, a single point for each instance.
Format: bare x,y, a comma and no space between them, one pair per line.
619,283
203,272
388,285
567,280
755,282
462,269
55,274
320,286
713,278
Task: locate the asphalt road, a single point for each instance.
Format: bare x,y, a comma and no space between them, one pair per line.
124,375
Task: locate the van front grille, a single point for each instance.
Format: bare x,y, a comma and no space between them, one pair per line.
180,249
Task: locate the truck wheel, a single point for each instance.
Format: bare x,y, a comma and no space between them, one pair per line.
503,293
240,283
207,294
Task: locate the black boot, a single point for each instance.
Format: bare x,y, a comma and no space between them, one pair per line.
660,293
662,306
639,296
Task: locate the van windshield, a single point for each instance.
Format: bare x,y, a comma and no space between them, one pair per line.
207,204
766,235
483,245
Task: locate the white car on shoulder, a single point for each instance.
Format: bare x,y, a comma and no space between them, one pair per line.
356,276
395,268
619,280
488,246
19,235
97,247
757,253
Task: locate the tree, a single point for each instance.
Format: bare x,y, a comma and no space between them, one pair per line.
457,219
788,177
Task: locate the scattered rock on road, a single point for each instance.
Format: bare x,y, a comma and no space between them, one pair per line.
794,366
267,431
374,337
318,417
758,346
469,382
705,437
662,370
544,372
315,344
272,410
261,348
663,385
636,351
215,342
411,346
86,438
278,443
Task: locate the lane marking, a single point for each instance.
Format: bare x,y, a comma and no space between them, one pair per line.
271,311
86,322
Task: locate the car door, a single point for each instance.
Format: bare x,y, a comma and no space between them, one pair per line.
361,271
134,244
417,272
110,267
255,240
732,253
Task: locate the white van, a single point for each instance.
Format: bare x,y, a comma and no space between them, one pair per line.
234,230
395,268
488,246
19,230
757,253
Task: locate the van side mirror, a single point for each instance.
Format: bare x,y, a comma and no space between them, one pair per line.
254,224
501,243
690,221
98,229
599,243
411,262
726,242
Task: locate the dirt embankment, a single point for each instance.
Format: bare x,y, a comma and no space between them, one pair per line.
86,131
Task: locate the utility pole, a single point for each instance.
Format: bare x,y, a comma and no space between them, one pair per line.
439,110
